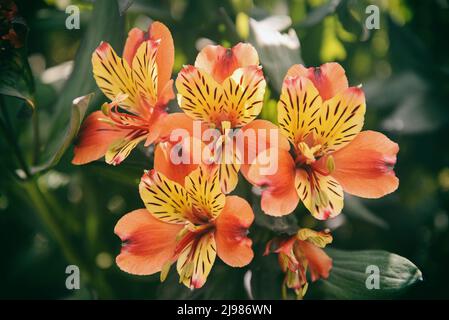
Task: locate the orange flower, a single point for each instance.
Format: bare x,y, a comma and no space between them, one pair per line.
322,118
191,224
224,90
299,253
139,86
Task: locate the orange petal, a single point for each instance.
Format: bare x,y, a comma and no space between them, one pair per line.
365,166
245,54
94,138
166,53
320,263
174,156
179,136
279,196
259,135
180,121
329,78
233,245
155,124
147,242
221,62
163,163
165,56
166,94
134,40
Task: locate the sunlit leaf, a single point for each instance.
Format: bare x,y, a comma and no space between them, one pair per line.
353,275
277,51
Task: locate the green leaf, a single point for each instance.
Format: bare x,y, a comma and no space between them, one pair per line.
107,25
354,207
13,92
352,23
79,108
317,15
124,5
266,278
351,273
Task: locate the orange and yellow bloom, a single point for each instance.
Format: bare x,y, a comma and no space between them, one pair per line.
224,90
190,224
319,147
299,253
139,87
322,118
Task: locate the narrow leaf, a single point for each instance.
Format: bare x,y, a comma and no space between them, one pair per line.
79,108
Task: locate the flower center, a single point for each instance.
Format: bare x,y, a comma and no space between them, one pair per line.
307,154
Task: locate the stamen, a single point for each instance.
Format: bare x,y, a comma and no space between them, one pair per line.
330,164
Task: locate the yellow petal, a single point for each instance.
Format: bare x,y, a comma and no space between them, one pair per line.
243,92
321,195
318,238
121,149
229,162
341,119
145,71
199,95
204,189
196,260
113,75
298,108
166,200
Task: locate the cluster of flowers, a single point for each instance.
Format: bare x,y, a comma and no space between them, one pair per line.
189,217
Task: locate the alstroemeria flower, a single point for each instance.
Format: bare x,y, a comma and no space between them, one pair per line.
300,253
322,118
191,224
224,90
139,86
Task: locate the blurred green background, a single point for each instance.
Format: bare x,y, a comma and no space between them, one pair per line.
65,214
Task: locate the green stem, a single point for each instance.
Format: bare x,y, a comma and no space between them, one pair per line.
36,137
43,210
41,207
